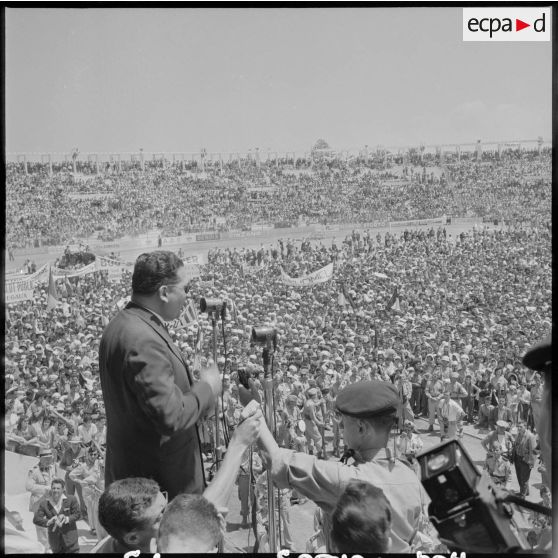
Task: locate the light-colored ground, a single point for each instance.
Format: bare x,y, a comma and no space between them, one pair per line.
130,253
241,539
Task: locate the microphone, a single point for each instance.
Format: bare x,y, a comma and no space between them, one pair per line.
214,305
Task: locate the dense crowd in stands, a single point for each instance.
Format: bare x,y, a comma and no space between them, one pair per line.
178,198
468,307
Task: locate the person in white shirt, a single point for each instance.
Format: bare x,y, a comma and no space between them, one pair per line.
87,431
450,417
409,443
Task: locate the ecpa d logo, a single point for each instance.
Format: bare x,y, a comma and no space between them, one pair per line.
506,24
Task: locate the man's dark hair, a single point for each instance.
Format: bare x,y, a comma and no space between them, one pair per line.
58,481
361,521
122,505
189,515
154,269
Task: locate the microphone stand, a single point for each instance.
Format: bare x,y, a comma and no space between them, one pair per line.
270,419
216,450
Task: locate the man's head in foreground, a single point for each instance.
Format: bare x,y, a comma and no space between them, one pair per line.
361,521
191,523
130,510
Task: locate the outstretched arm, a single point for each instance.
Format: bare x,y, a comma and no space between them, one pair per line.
245,434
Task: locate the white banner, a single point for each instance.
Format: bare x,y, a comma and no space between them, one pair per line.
321,276
21,288
199,258
59,273
17,291
113,267
416,222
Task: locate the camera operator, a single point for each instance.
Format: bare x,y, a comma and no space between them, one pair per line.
539,358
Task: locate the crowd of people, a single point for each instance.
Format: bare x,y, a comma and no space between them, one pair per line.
444,318
45,209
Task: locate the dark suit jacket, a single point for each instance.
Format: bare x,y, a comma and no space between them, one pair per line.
61,537
494,417
152,404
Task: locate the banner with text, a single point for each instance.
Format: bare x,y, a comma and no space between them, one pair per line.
113,267
21,288
321,276
59,273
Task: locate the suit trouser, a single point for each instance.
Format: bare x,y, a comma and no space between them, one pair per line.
433,405
405,413
336,437
313,435
423,402
523,472
287,539
244,494
415,399
450,431
468,406
42,536
58,545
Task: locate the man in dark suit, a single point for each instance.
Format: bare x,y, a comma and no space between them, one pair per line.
152,404
501,412
59,513
524,457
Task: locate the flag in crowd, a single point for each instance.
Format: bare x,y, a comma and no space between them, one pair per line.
196,365
68,285
393,302
232,309
52,300
190,314
345,298
199,341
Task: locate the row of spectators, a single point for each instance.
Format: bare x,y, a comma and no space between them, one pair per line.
467,305
44,210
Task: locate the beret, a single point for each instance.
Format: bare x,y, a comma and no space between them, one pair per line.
368,398
540,355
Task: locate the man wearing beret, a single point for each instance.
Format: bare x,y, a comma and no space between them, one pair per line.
368,410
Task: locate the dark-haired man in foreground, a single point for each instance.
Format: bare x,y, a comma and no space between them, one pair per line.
132,510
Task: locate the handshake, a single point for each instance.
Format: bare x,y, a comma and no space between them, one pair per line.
58,521
248,429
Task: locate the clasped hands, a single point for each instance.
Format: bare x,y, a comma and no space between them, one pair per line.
58,521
